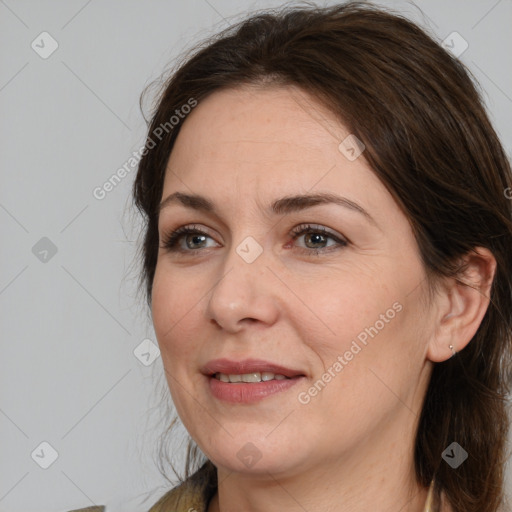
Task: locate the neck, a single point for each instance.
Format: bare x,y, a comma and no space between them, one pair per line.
369,478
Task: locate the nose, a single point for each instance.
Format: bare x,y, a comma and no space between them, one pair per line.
245,292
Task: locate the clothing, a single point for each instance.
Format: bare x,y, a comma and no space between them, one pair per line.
195,493
96,508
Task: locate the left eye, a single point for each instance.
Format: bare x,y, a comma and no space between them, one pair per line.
316,236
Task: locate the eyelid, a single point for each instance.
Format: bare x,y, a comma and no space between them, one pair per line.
174,236
172,239
303,228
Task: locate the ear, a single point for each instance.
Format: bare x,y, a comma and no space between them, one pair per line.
461,307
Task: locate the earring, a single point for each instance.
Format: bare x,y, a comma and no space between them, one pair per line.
453,350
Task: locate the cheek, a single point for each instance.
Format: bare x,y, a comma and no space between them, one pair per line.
342,313
178,333
174,316
363,360
367,326
163,304
372,328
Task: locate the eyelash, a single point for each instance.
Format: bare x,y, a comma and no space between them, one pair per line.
171,240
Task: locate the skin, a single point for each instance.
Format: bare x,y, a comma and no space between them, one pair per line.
352,444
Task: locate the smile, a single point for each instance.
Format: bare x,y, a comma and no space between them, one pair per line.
249,377
241,391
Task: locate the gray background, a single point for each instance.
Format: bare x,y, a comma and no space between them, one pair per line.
71,320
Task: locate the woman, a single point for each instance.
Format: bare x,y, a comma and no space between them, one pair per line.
327,259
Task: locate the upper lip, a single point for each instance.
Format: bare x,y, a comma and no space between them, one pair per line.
229,366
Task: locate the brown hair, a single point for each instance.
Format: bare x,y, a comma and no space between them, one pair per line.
430,142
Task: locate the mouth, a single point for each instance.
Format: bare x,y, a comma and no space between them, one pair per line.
248,381
253,377
248,370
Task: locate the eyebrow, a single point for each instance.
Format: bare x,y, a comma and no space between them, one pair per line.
280,206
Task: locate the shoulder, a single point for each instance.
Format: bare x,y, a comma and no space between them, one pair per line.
192,494
96,508
183,497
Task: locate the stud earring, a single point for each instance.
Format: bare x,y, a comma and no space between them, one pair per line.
453,350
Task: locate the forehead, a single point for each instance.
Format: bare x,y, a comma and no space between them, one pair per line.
281,130
245,147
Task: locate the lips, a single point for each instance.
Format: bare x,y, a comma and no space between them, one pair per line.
244,393
229,366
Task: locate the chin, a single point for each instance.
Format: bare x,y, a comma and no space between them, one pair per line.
257,457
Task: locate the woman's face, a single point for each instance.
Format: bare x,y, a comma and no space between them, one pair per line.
342,305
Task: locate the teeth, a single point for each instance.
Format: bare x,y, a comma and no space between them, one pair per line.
250,377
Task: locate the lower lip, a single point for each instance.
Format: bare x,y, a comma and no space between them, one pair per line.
247,392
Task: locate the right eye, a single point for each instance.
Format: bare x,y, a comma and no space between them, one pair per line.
171,242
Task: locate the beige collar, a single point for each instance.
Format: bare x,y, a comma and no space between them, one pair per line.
430,498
